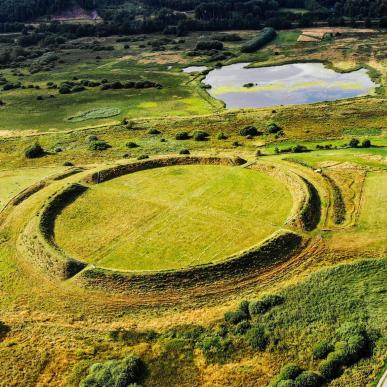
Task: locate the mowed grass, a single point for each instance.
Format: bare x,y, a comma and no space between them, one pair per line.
14,181
173,217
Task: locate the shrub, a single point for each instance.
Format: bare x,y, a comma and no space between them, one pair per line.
354,143
114,373
209,45
65,89
214,347
264,37
34,151
142,157
184,152
366,144
200,135
309,379
78,89
300,149
329,369
249,131
242,327
273,128
98,145
321,349
244,306
154,131
68,164
131,144
289,371
182,136
262,306
236,317
221,136
256,337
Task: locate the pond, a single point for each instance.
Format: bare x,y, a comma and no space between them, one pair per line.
296,83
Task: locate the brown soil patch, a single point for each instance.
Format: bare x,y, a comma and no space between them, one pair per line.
163,58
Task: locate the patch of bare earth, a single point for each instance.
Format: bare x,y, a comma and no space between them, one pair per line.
163,58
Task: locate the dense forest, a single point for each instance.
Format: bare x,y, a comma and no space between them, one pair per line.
180,16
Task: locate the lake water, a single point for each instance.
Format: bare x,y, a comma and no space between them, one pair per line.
296,83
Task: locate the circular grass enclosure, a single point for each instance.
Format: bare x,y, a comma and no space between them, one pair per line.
94,114
172,217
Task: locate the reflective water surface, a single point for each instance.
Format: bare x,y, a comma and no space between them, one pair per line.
296,83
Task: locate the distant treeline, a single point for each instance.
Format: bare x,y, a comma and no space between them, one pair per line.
169,15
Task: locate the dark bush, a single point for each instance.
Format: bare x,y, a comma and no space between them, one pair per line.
242,327
273,128
321,349
354,143
300,149
182,136
221,136
153,131
257,338
34,151
99,145
249,131
366,144
262,306
184,152
309,379
78,89
236,317
289,371
329,369
244,307
114,373
131,144
142,157
264,37
200,135
209,45
65,89
68,164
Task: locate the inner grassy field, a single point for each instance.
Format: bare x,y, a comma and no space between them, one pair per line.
173,217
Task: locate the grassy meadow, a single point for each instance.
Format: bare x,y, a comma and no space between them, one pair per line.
52,332
173,217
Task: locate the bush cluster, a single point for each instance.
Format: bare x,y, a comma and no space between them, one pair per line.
114,373
117,85
266,303
209,45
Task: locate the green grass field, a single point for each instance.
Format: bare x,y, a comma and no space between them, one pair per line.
173,217
15,181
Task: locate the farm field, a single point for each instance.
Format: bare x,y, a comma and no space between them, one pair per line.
180,241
